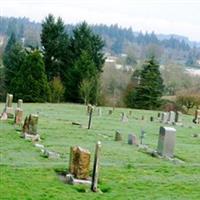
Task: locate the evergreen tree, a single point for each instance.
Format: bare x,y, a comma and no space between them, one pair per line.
148,91
31,82
86,63
55,44
13,58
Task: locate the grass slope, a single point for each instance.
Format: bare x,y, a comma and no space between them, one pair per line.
125,172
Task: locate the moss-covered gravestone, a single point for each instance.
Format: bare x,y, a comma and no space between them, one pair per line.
79,164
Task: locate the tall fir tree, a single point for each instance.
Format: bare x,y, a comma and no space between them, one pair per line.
55,44
149,88
13,58
31,81
86,63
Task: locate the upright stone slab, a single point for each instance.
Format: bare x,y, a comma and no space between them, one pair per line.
124,118
8,108
172,117
95,173
110,112
19,103
197,116
79,164
18,116
132,139
151,119
118,136
90,117
178,118
33,123
25,128
165,117
166,141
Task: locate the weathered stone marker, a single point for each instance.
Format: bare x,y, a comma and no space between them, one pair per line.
130,112
171,119
8,106
132,139
197,117
90,117
95,174
19,103
33,123
142,136
151,119
79,163
178,118
164,117
18,116
124,118
166,141
118,136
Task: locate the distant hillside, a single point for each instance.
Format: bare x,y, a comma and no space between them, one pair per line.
118,40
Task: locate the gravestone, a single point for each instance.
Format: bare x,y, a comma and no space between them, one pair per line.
178,118
151,119
118,136
164,117
158,115
19,103
130,112
18,116
25,128
142,135
166,141
33,123
90,117
197,117
95,173
8,107
79,163
142,117
132,139
171,119
124,118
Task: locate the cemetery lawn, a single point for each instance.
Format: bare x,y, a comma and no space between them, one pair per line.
125,172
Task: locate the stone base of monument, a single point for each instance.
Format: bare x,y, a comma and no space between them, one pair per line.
31,137
154,153
73,181
50,154
4,116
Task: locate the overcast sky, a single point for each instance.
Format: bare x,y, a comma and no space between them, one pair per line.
162,16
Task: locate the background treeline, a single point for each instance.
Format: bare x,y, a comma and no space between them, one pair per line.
66,68
118,40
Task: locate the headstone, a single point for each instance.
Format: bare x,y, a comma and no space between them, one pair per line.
8,106
18,116
151,119
89,106
25,128
130,112
166,141
4,116
118,136
33,123
90,117
79,163
124,118
164,117
197,117
95,174
132,139
142,136
142,117
19,103
171,119
158,115
178,118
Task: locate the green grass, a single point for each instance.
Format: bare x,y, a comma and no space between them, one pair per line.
125,173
